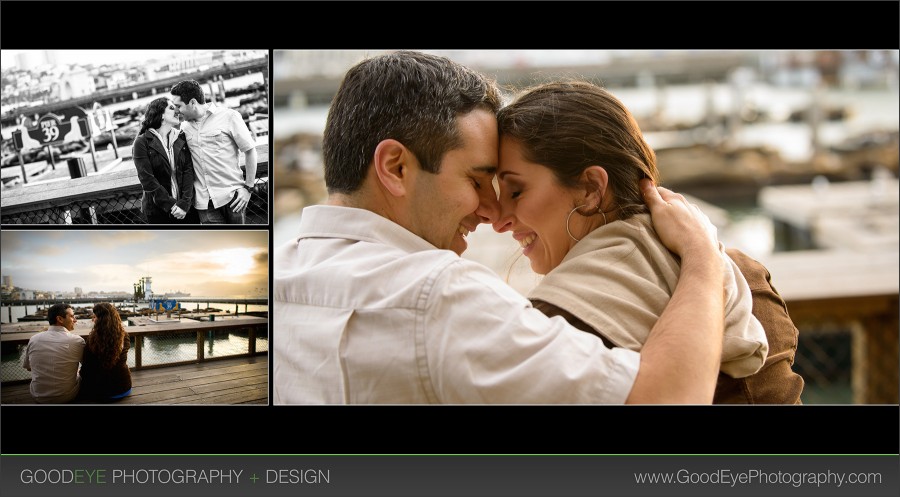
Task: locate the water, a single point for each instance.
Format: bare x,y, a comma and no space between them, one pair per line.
156,349
231,102
12,313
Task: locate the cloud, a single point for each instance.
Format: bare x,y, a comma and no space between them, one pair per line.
235,262
10,242
262,258
116,239
229,289
51,250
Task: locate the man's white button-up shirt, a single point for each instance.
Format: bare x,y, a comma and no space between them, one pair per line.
367,312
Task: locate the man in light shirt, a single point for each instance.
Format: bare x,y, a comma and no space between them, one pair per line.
54,356
216,136
374,305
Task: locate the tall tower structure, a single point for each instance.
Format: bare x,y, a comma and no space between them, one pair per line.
148,292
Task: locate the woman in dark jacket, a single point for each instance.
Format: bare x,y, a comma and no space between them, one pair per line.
104,366
164,167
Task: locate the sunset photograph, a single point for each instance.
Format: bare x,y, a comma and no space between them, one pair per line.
191,308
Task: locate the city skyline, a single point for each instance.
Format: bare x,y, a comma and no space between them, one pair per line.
8,58
208,263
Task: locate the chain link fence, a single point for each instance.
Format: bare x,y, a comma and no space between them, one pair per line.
824,360
840,365
121,206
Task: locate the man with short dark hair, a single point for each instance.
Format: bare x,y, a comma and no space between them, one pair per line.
216,136
53,357
374,305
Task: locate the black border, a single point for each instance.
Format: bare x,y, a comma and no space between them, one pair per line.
852,429
454,429
683,25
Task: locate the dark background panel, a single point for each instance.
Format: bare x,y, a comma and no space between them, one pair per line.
451,429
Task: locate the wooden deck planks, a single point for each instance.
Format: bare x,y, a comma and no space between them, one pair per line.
227,381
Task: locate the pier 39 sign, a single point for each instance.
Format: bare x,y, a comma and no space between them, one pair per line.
51,130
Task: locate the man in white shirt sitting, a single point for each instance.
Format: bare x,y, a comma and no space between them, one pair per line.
53,357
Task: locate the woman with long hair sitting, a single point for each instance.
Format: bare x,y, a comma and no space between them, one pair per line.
104,368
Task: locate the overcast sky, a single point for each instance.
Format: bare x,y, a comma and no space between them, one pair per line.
203,263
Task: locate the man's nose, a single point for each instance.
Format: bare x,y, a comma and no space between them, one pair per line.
504,220
503,223
488,206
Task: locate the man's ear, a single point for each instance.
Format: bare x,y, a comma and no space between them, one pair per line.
392,166
595,180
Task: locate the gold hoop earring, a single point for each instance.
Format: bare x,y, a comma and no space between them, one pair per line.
570,215
567,223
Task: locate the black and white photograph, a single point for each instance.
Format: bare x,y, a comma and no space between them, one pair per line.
132,137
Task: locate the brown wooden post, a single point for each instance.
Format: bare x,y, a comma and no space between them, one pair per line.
875,358
252,341
200,355
138,346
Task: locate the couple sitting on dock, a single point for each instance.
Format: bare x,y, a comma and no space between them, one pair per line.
54,356
194,163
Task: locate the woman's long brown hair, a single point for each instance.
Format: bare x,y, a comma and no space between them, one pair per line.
108,338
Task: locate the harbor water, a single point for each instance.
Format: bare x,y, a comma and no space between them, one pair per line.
237,82
161,349
13,313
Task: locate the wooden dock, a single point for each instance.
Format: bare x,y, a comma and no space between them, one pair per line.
857,215
227,381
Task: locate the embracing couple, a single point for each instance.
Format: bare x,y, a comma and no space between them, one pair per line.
640,302
66,367
187,159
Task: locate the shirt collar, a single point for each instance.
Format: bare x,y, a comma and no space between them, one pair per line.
211,109
55,327
330,221
161,139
